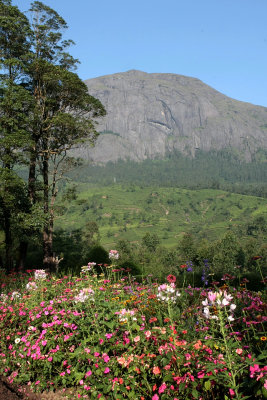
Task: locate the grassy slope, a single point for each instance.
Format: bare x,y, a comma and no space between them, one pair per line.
128,212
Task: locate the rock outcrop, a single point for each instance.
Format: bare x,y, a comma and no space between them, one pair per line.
149,115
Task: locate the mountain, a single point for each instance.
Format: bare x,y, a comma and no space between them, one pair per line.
150,115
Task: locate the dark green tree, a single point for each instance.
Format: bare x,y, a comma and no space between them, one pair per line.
226,254
57,111
14,107
150,241
63,115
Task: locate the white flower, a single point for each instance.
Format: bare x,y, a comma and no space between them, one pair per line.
15,295
31,286
205,302
167,293
88,267
31,328
206,312
113,254
85,294
39,274
222,299
3,297
17,340
225,302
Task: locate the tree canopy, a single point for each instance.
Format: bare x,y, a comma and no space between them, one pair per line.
45,111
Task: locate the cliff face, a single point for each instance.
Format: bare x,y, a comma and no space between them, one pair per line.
151,114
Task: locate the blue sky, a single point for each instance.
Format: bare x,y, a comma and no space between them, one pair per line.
221,42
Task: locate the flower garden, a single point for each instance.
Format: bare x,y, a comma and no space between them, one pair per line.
109,336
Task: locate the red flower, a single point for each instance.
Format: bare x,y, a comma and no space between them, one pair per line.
183,266
171,278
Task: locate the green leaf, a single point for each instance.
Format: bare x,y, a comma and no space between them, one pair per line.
195,394
207,385
136,327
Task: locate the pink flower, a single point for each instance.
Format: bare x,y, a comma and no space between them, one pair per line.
136,339
212,296
155,397
107,370
147,334
108,335
187,356
162,388
106,358
254,369
88,373
50,359
239,351
156,370
232,392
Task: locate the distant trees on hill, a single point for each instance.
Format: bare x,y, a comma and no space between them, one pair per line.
214,169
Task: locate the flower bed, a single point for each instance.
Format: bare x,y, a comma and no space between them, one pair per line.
110,337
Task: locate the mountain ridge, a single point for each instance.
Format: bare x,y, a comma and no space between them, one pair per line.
152,114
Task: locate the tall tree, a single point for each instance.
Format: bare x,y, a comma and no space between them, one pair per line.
14,103
59,113
64,113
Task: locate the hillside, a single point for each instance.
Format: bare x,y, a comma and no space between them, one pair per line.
151,115
129,212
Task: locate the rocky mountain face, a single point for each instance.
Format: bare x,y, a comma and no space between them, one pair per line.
149,115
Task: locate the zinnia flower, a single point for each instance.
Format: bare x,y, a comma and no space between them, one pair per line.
171,278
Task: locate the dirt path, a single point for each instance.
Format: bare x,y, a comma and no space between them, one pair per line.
14,392
7,392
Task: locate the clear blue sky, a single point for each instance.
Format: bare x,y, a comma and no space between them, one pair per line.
221,42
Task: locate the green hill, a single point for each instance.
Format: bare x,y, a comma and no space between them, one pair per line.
129,212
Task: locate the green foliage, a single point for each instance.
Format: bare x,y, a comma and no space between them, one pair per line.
226,253
170,211
215,169
150,241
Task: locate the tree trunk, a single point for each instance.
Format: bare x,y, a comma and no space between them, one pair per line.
8,240
23,247
32,178
48,259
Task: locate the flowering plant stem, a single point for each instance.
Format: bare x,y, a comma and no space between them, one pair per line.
229,361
